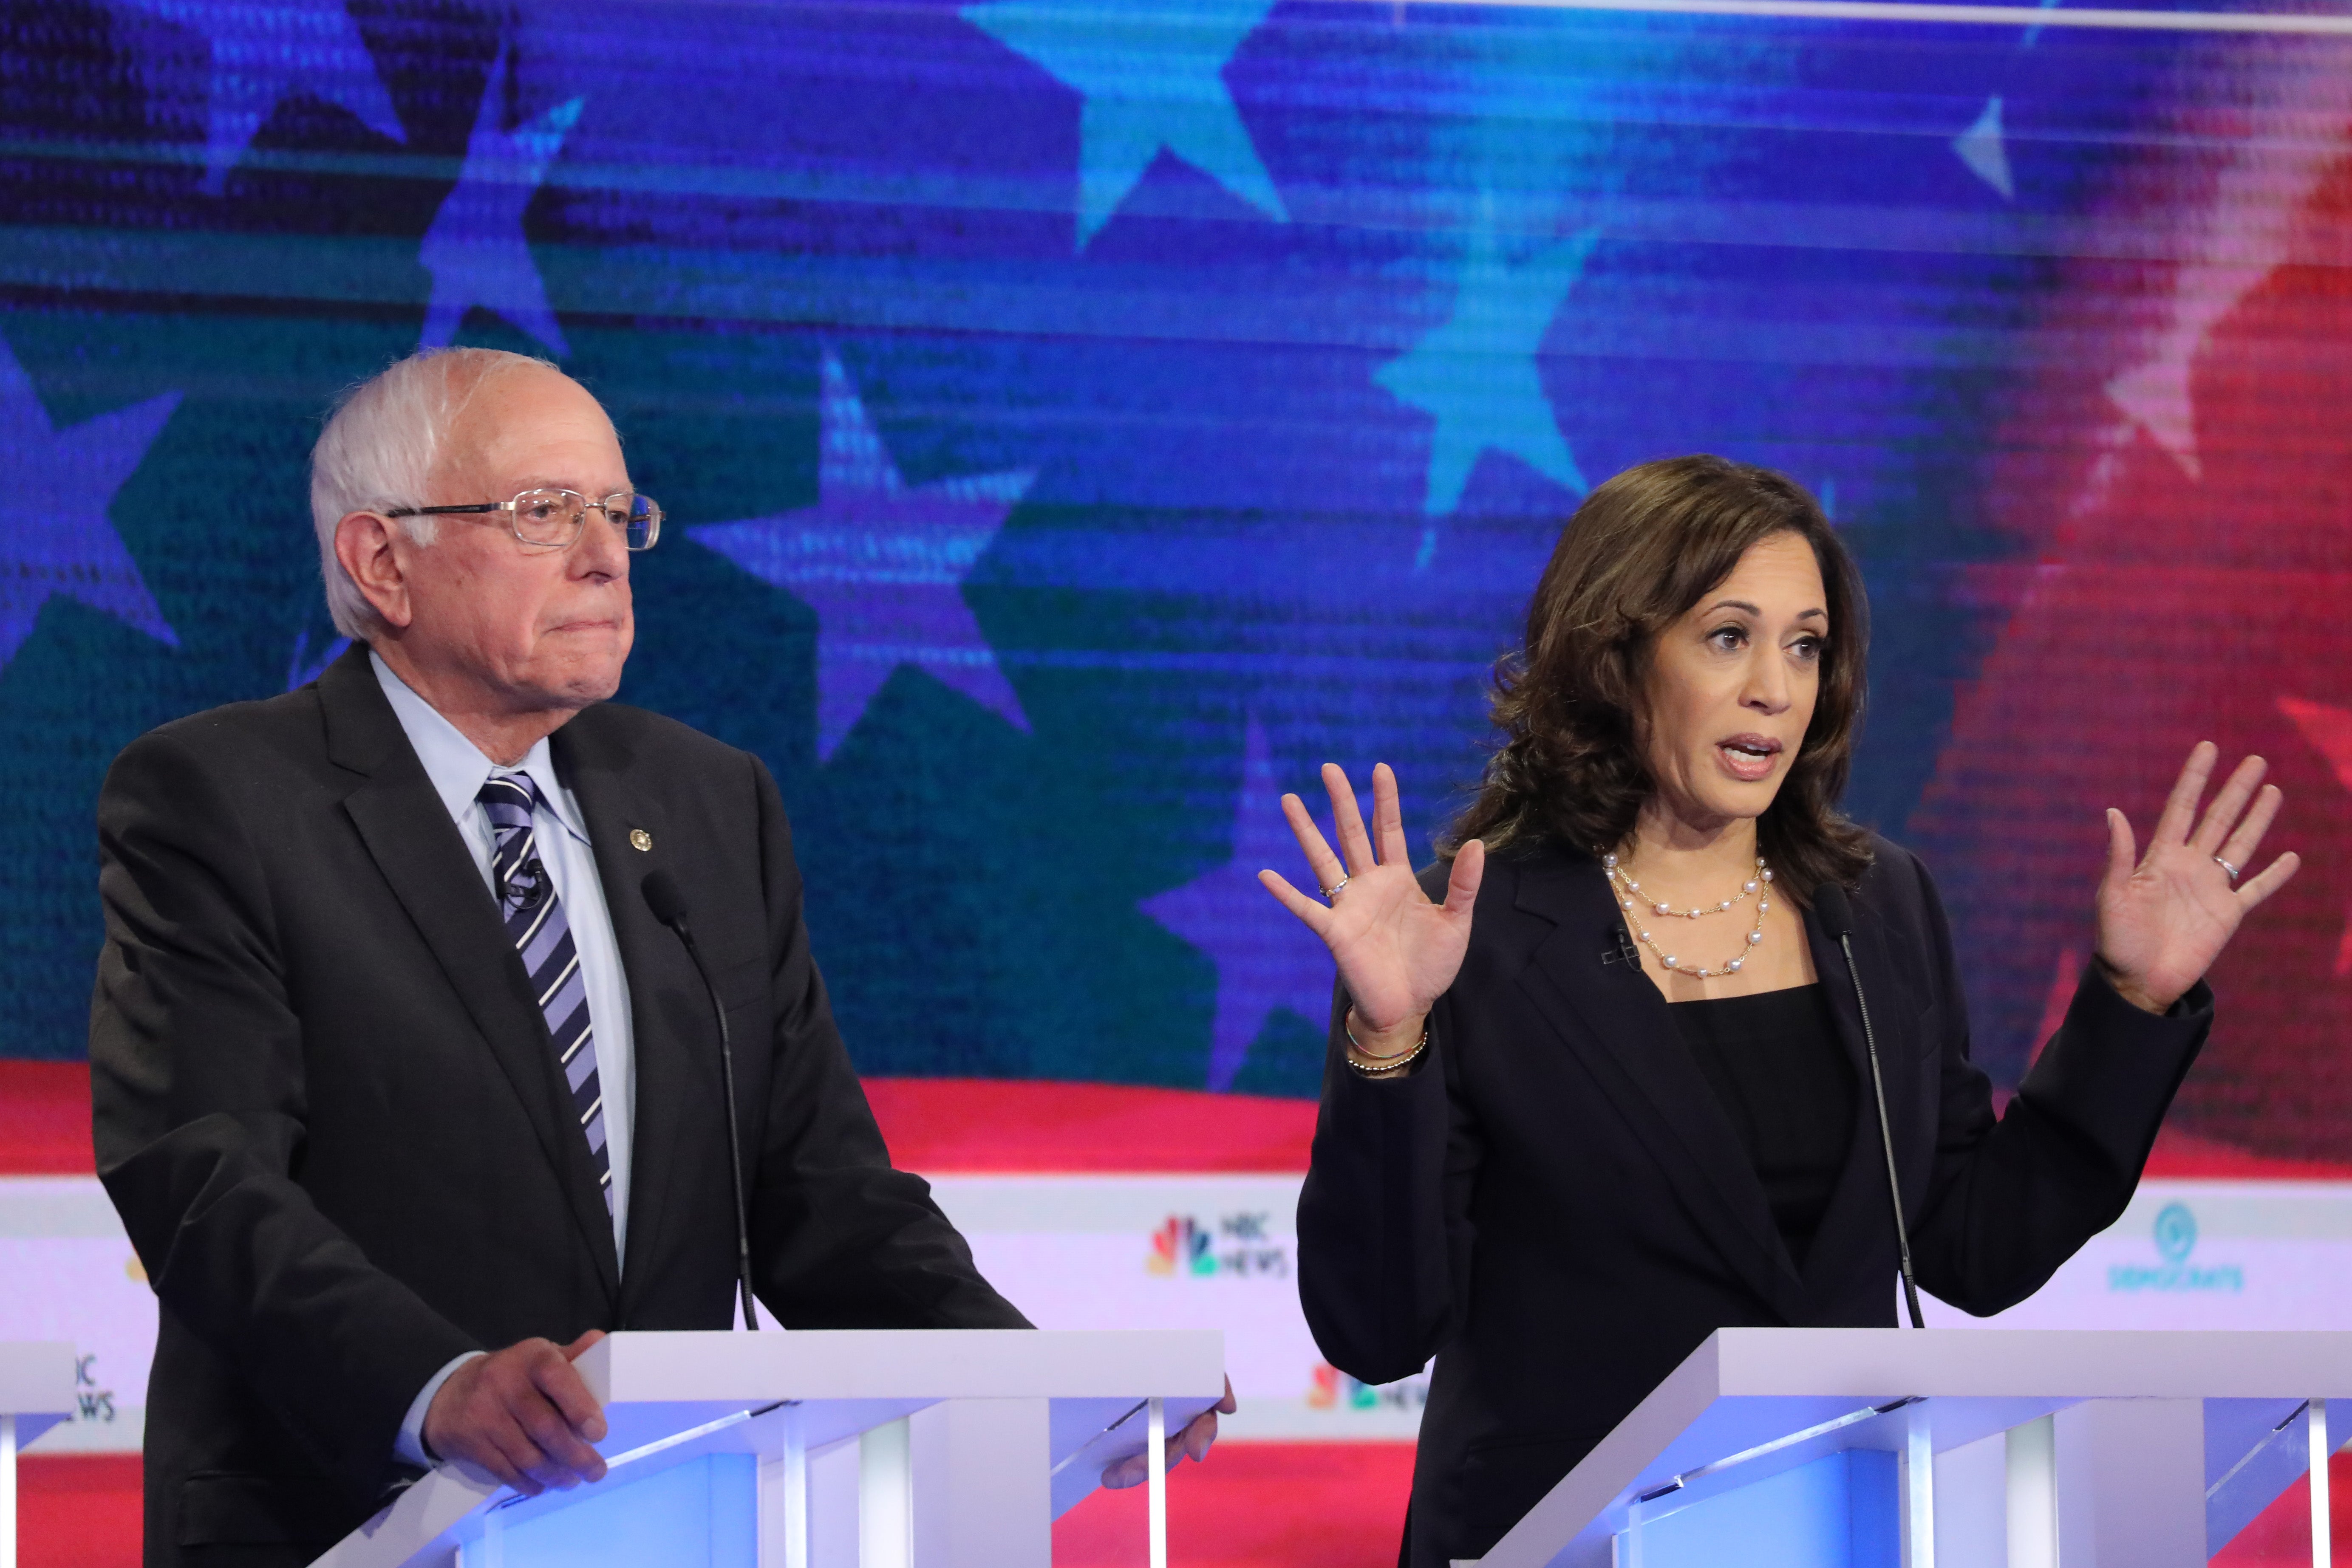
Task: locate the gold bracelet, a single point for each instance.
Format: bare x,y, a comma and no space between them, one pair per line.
1387,1064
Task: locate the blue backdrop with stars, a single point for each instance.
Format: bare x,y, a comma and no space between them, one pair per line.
1079,418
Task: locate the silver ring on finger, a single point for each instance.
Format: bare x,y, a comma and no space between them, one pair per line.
1332,892
2225,865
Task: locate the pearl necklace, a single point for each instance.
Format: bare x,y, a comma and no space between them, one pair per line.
1630,898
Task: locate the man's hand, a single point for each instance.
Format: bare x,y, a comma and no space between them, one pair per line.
1195,1439
523,1416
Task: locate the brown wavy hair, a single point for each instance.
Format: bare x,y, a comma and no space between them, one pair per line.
1638,554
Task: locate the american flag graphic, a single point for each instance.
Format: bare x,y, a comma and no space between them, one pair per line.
1081,419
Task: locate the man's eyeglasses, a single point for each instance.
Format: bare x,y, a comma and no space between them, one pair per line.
551,519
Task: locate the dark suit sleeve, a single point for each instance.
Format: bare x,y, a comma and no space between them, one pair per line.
839,1240
1384,1229
2011,1199
197,1087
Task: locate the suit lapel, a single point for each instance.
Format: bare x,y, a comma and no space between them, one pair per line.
598,772
1860,1218
417,849
1612,1017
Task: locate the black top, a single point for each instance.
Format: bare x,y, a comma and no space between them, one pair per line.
1774,1062
1552,1203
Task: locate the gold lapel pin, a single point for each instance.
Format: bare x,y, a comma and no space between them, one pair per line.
640,838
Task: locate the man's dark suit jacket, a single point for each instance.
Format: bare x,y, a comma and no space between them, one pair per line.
328,1110
1556,1206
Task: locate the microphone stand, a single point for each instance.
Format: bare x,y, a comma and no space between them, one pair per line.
1886,1135
662,895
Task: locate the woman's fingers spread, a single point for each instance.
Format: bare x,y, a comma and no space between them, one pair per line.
2229,804
1388,817
2248,836
2180,807
1319,858
1461,882
2274,876
1314,914
1350,821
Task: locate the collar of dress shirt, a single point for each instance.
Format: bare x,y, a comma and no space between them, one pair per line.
456,765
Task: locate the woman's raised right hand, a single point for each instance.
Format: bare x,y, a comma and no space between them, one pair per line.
1397,951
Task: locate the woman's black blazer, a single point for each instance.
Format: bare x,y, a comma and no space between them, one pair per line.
1554,1204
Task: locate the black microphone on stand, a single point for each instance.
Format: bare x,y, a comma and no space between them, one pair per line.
1836,911
668,904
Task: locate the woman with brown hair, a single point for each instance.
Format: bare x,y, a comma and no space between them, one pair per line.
1601,1080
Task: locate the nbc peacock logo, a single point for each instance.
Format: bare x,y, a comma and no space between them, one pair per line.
1180,1246
1239,1246
1328,1388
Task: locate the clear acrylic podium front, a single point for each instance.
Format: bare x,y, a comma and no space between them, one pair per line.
832,1448
1955,1447
37,1392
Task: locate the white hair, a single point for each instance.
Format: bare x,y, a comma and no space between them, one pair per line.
378,453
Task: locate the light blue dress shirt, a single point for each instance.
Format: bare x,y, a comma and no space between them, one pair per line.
459,769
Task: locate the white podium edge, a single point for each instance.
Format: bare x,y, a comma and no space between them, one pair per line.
429,1521
36,1393
1872,1366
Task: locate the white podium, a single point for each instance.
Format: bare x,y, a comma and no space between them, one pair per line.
839,1448
1866,1447
37,1392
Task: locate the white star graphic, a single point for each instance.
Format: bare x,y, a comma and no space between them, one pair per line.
1152,76
266,50
474,248
1476,375
883,566
2233,245
65,480
1983,148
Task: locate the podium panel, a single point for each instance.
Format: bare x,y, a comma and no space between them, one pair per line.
1836,1512
704,1513
2145,1448
37,1392
838,1449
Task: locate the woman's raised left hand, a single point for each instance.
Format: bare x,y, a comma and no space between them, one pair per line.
2164,918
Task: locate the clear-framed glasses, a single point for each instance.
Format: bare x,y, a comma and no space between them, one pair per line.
551,519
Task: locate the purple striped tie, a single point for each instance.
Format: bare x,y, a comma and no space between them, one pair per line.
536,926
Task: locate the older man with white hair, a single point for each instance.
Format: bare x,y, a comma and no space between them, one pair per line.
403,1090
